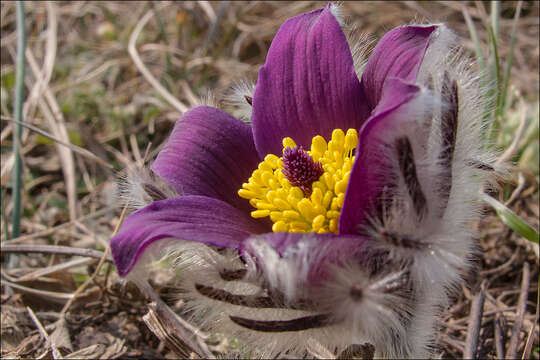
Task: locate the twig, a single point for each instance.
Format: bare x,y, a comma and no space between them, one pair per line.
54,249
522,305
43,332
473,330
501,267
55,268
498,337
38,324
144,70
517,190
73,147
508,153
57,297
530,338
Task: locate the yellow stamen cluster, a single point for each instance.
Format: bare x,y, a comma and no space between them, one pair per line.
270,192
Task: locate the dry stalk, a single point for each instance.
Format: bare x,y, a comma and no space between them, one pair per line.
55,249
522,307
144,70
475,321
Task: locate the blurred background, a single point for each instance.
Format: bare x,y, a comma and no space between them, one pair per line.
104,83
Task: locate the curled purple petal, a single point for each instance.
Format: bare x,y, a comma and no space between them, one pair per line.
190,218
372,171
398,54
208,153
307,86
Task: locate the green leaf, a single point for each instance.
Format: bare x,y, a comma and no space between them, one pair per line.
512,220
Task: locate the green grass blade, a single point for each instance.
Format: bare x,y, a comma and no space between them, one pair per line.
18,115
474,37
504,90
495,14
496,67
512,220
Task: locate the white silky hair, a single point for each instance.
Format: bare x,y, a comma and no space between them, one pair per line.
133,188
378,318
399,323
236,97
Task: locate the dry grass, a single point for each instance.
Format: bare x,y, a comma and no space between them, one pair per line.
112,77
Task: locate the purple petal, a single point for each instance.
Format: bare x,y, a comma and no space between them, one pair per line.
372,170
307,86
189,218
320,251
209,153
283,241
398,54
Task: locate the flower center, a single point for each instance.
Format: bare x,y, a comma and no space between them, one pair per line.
303,191
300,169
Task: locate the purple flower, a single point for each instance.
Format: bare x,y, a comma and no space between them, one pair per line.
347,199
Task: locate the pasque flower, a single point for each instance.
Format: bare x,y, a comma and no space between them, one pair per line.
341,214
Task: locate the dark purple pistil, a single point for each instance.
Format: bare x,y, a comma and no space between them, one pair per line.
300,169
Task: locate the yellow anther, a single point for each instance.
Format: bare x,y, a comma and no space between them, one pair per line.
299,225
293,201
319,185
338,157
264,166
291,215
263,205
333,226
291,209
288,142
306,209
318,209
318,145
340,187
340,200
271,160
270,196
316,196
334,205
266,176
318,222
282,194
351,139
281,204
260,213
296,192
327,199
252,187
274,183
332,214
328,180
246,194
338,137
275,216
280,226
